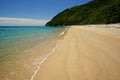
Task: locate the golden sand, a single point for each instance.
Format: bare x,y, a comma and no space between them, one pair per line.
85,53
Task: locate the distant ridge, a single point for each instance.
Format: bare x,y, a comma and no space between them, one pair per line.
94,12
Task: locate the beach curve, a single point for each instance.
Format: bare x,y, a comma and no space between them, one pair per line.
84,54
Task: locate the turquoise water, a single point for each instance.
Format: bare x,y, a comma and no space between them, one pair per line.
14,40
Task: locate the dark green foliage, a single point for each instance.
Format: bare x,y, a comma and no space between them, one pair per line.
94,12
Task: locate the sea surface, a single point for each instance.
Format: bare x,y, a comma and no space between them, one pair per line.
24,48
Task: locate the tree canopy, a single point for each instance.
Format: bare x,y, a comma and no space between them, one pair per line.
94,12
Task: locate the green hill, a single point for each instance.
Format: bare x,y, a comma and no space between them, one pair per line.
94,12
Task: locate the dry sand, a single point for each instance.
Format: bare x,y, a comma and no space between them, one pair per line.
85,53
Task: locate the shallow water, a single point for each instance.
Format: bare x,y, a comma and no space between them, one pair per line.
23,48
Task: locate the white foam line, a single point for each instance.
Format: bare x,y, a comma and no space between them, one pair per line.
39,65
62,33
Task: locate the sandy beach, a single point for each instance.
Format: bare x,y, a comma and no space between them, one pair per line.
85,53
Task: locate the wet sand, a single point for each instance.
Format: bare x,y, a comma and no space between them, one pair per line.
85,53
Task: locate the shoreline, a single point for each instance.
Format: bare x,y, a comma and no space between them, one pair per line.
84,47
61,35
41,61
28,63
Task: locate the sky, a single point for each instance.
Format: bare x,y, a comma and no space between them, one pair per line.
17,12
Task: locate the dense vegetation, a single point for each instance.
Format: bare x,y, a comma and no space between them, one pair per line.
94,12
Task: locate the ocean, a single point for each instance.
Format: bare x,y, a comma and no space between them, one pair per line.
24,48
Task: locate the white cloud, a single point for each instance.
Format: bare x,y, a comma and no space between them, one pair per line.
21,22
